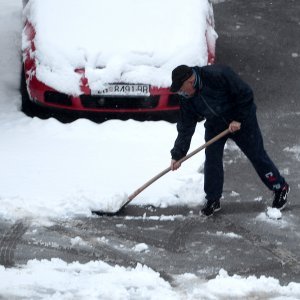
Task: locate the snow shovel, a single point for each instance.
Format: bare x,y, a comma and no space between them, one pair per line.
162,173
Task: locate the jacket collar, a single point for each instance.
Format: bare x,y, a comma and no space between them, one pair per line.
198,82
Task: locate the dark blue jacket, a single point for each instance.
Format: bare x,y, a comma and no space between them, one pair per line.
221,97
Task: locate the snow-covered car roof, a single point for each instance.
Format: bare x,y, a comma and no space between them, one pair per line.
116,40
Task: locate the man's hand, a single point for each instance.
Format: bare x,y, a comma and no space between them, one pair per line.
175,165
234,126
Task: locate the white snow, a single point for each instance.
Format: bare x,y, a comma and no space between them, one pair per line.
295,150
273,213
155,218
95,280
272,216
51,170
58,280
54,170
142,247
234,194
229,234
78,241
225,286
153,38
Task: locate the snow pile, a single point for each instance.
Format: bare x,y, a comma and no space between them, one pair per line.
155,37
49,169
273,213
142,247
56,279
78,241
53,170
225,286
272,216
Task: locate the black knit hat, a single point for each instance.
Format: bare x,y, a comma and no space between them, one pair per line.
179,75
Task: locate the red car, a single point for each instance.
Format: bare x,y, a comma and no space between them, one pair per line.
89,57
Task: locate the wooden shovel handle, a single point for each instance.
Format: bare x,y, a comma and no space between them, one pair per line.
162,173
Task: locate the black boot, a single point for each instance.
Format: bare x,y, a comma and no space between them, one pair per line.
280,197
210,207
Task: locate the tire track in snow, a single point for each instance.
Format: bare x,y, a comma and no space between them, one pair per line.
283,256
104,252
9,242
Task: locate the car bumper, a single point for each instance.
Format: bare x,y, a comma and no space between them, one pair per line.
159,100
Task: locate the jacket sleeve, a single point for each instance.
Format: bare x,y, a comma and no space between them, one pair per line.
186,127
241,94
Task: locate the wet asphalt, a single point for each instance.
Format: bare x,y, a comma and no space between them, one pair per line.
260,40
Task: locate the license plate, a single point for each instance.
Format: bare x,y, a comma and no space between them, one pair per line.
117,89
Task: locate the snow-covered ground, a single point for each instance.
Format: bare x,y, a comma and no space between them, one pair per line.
56,279
52,171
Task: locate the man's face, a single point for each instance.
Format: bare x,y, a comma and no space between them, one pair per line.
187,88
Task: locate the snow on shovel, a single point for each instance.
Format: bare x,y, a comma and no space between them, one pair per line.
123,201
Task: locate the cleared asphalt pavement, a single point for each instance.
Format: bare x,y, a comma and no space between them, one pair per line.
260,40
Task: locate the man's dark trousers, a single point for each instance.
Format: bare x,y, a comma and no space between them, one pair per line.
249,140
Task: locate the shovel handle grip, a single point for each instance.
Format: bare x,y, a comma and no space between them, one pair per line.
162,173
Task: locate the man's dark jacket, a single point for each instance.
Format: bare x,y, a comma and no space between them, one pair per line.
221,97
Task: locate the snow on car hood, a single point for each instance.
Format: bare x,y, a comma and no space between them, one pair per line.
116,40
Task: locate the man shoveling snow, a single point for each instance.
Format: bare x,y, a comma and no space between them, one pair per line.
224,100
